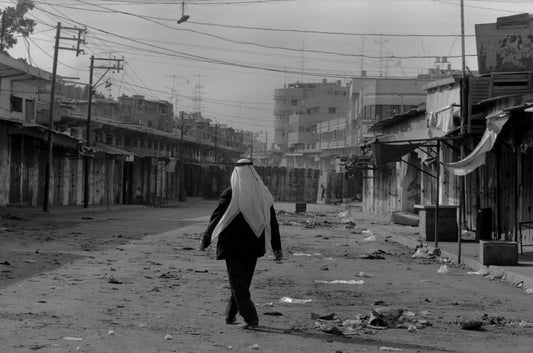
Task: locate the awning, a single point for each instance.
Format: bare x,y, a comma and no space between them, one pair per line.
391,148
476,158
41,132
112,150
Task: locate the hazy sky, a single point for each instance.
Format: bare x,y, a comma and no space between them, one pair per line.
234,53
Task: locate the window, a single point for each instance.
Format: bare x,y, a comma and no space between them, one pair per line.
127,141
135,142
149,144
16,104
109,139
341,93
294,102
332,110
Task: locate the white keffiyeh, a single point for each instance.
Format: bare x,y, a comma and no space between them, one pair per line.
250,197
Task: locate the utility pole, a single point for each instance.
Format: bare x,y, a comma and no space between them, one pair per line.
216,143
251,145
182,196
3,31
87,165
49,160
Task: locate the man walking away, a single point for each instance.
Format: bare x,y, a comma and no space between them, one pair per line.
244,217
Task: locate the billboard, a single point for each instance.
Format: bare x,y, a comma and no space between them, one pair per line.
505,46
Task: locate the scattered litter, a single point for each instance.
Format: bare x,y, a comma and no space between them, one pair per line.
72,338
375,255
270,305
294,301
306,254
498,276
168,337
364,275
519,284
310,223
443,269
6,263
169,275
481,272
273,313
370,238
330,316
110,332
422,253
87,218
341,281
525,324
334,330
385,316
389,349
254,346
342,214
472,325
29,261
367,232
529,291
201,271
113,280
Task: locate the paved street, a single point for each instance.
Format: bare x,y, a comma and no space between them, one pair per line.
132,280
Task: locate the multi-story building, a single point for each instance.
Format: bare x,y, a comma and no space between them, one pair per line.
299,107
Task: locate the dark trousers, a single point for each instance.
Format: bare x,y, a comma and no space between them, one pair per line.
240,273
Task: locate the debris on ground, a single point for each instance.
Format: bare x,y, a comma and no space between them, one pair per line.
273,313
422,252
341,281
370,238
330,316
389,349
113,280
380,318
472,325
385,316
364,275
375,255
306,254
443,269
481,272
294,301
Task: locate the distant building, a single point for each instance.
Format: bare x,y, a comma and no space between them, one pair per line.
299,107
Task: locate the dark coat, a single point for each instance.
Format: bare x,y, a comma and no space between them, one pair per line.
238,240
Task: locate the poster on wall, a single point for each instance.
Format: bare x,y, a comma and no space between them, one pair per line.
505,46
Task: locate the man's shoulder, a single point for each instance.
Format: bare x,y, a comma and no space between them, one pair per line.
226,193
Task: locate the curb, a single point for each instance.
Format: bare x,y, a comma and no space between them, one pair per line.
509,276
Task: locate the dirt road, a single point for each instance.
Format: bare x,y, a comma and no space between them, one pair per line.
133,281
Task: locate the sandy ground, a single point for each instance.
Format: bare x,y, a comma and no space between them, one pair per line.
132,280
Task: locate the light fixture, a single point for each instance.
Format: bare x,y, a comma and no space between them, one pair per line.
184,17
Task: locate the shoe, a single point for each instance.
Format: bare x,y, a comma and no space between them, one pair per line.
251,325
231,321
